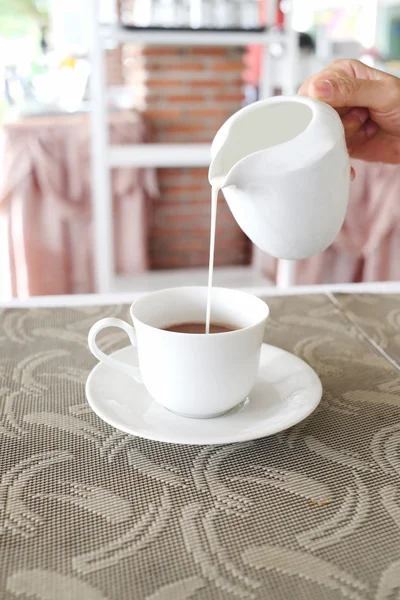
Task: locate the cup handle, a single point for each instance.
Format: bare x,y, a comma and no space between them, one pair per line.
109,360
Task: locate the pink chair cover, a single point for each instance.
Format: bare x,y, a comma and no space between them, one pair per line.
368,246
45,197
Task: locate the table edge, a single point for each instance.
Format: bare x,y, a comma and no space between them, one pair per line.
265,292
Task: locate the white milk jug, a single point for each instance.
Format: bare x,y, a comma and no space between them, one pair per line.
284,169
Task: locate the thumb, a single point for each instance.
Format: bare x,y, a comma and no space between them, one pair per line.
349,91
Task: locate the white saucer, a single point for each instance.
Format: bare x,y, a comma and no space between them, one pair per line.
286,392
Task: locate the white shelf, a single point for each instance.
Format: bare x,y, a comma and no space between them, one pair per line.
106,157
159,155
189,38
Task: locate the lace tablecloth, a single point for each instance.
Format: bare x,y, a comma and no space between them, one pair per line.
311,513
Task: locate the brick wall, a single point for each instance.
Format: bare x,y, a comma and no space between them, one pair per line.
181,224
114,67
188,93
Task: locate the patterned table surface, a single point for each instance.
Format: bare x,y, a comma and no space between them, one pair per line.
311,513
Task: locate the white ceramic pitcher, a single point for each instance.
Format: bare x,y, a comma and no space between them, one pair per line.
284,169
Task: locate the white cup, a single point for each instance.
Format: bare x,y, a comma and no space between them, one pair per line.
194,375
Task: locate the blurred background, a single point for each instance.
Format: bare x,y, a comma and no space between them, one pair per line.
107,111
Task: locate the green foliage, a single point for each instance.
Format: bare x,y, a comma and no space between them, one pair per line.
21,18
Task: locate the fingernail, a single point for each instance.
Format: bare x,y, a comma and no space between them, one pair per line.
323,88
361,113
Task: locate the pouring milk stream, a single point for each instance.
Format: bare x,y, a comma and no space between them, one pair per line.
284,169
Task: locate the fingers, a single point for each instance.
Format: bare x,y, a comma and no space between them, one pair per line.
353,121
347,91
379,148
349,83
358,129
346,68
363,135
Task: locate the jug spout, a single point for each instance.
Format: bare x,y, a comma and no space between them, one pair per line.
272,129
235,179
224,181
219,168
223,166
217,175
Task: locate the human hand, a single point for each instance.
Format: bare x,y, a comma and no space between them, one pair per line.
368,101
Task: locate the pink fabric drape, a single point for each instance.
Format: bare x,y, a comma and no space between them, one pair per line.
368,246
45,195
